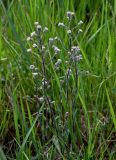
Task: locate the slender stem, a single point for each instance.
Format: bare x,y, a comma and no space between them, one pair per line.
44,76
67,76
76,81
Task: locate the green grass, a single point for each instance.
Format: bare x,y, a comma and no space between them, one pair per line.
80,127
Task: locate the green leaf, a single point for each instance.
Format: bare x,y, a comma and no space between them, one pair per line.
2,155
111,109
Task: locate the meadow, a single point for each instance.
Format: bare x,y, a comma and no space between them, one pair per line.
57,80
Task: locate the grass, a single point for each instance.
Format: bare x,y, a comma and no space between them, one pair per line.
81,124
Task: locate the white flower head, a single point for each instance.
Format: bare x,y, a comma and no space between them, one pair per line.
36,69
56,38
59,61
69,53
34,45
39,28
68,73
29,38
43,47
52,102
34,74
70,15
80,31
44,82
33,34
45,29
32,66
77,58
61,24
29,50
51,40
41,99
66,114
69,32
53,46
56,49
36,23
66,62
75,49
80,22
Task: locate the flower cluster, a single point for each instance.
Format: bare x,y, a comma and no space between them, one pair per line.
53,56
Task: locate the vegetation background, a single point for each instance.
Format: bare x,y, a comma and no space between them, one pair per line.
23,132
